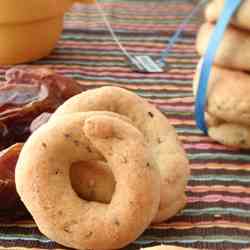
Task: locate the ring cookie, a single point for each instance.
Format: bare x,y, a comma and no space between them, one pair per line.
228,106
233,51
161,137
43,181
241,19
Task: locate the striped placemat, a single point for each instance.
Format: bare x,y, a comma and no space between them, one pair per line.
218,212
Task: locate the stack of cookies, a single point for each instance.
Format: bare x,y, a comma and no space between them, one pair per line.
228,96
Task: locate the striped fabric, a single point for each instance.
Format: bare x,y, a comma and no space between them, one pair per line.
217,215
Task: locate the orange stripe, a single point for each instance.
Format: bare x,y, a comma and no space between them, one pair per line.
214,166
219,188
182,122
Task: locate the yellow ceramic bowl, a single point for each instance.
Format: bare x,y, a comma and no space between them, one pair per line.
30,30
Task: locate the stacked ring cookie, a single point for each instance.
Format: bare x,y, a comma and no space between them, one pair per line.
241,19
101,170
43,181
170,160
233,51
227,114
228,106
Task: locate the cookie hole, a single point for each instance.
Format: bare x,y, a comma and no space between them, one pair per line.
93,181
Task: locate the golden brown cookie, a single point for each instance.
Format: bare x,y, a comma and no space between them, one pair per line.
228,106
233,51
241,19
228,95
43,181
159,134
234,135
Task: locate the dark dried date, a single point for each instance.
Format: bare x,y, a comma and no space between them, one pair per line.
11,206
29,92
8,160
66,87
26,101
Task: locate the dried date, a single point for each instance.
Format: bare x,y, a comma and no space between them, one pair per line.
66,87
27,99
8,160
27,93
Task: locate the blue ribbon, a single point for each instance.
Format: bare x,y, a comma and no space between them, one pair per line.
230,7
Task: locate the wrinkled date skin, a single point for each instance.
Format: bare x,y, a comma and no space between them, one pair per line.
27,93
27,99
66,87
8,160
